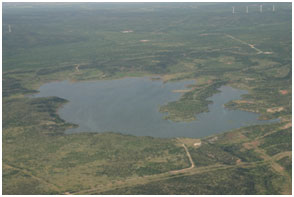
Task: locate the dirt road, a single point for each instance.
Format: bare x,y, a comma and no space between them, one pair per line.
77,67
149,178
243,42
54,187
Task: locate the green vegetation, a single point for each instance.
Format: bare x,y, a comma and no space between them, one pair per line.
191,103
247,181
44,42
209,154
277,142
228,163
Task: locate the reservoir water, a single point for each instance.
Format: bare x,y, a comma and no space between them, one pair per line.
131,106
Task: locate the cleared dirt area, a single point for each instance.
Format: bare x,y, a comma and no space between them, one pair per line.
189,141
235,136
239,161
251,145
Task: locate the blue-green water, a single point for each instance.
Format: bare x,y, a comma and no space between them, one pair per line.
131,106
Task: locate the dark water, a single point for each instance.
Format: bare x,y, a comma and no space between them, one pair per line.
131,106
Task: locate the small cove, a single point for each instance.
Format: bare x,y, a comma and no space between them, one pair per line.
131,106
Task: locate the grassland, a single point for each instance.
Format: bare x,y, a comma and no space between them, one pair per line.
47,42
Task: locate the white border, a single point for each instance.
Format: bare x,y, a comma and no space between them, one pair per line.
167,1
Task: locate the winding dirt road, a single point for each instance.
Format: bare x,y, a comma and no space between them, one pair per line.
190,159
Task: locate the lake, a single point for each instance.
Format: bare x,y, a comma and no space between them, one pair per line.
131,106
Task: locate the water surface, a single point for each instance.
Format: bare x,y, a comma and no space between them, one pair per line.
131,106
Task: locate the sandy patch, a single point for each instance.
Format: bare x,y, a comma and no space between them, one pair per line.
211,140
197,144
168,77
127,31
144,40
275,109
286,126
243,101
283,92
49,123
267,52
181,91
238,161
